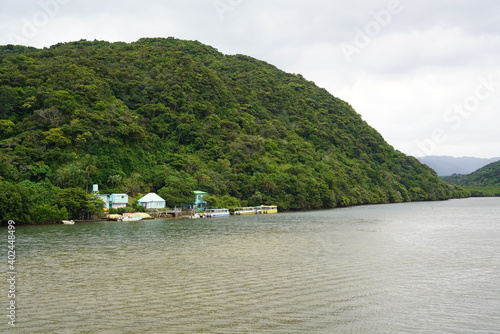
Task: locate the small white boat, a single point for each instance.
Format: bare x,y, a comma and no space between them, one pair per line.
215,213
68,222
195,216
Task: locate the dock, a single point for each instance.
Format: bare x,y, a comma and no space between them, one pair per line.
165,213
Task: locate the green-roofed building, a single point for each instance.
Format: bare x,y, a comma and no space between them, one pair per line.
199,203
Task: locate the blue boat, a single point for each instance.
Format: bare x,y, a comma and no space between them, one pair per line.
215,213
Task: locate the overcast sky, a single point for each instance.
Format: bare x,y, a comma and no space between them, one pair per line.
425,74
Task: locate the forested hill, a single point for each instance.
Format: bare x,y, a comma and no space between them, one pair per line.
487,176
174,115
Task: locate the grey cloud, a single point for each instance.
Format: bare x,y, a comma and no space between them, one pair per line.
401,79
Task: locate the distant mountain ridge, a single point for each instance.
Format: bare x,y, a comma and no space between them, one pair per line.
446,165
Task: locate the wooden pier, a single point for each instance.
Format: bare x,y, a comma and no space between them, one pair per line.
164,213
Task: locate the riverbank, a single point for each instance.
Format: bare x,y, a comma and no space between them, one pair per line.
96,220
187,215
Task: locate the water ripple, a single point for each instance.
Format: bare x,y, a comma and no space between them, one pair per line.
407,268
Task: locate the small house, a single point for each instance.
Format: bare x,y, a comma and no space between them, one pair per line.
105,199
113,201
152,201
118,201
199,202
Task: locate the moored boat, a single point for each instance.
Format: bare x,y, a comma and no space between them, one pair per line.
267,209
215,213
144,215
135,216
68,222
244,211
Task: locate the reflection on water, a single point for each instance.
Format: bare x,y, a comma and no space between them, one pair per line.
403,268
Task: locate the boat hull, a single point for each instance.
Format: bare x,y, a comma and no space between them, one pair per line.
244,213
267,209
130,219
216,213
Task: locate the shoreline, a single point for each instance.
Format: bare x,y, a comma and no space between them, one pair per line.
96,220
4,224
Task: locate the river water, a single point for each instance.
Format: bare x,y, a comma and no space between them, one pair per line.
430,267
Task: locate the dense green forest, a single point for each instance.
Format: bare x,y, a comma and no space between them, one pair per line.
173,116
483,182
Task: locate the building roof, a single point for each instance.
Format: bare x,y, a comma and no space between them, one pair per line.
151,197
